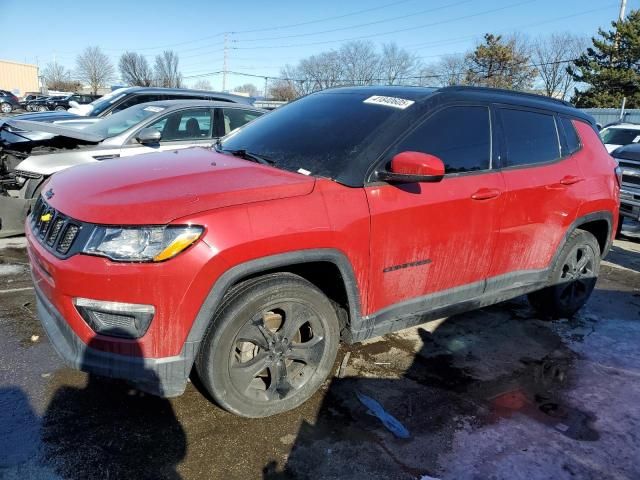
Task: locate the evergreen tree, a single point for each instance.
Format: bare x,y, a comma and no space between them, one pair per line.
611,68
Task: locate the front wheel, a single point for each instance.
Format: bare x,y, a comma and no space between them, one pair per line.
60,108
573,278
5,107
42,108
271,344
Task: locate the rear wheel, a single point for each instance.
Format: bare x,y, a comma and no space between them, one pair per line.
60,108
270,345
573,278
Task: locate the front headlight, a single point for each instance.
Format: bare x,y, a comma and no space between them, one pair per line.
141,244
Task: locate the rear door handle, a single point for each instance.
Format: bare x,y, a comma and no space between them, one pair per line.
486,194
570,180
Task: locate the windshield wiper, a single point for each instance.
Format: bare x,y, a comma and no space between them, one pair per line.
242,153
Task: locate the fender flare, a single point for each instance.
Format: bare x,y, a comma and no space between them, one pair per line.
589,217
264,264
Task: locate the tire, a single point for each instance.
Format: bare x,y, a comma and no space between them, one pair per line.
60,108
41,108
619,228
6,107
249,344
573,278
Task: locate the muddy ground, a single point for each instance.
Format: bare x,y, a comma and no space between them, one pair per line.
492,394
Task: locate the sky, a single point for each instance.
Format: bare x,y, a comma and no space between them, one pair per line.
262,36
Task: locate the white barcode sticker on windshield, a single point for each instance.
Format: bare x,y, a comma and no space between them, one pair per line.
394,102
636,140
151,108
303,171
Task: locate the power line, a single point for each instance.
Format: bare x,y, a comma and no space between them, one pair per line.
349,27
391,32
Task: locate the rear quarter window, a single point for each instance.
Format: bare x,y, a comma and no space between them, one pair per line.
529,137
570,135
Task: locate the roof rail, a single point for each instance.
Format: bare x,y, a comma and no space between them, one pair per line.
509,92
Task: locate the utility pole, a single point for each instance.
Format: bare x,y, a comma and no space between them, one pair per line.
266,79
224,67
623,8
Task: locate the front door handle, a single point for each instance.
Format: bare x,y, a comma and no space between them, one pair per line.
570,180
486,194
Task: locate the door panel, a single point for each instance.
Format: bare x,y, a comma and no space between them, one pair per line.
431,237
541,199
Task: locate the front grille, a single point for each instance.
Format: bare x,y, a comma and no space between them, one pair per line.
52,228
630,179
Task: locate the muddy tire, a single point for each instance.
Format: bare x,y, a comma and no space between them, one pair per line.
270,345
573,278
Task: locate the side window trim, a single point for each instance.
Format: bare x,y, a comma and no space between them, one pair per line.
383,159
561,121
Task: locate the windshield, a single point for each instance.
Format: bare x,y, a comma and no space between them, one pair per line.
620,136
105,101
320,134
123,120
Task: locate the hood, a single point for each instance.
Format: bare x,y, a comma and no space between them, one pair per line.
82,110
44,116
55,129
628,152
157,188
611,147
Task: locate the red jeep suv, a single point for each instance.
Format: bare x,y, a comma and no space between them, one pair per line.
347,214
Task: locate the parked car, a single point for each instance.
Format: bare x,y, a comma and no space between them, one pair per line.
143,128
42,104
8,101
347,214
628,158
126,97
63,104
29,98
617,135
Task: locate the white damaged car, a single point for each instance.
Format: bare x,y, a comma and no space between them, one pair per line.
142,128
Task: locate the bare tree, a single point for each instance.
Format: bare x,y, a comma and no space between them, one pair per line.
135,70
167,73
202,85
317,72
57,77
94,68
449,70
396,64
360,62
248,88
283,90
553,55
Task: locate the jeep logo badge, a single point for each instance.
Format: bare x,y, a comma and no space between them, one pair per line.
49,194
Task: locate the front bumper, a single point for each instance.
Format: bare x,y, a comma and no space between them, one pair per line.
165,377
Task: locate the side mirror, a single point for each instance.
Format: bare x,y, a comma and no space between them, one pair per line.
148,136
413,167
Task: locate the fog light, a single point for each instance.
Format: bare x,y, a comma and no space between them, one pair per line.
115,319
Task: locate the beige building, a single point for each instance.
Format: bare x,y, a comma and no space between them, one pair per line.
18,78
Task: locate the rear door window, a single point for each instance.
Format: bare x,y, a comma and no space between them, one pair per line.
193,124
460,136
529,137
237,117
